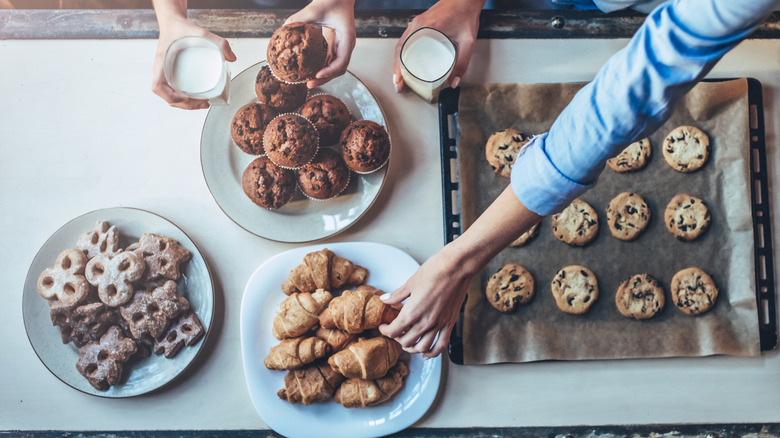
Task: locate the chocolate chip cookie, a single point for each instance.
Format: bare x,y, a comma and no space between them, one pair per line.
577,224
510,287
525,237
627,215
640,297
502,148
686,148
693,291
687,217
575,289
633,157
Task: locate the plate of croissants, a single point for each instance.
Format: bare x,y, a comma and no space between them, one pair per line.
314,361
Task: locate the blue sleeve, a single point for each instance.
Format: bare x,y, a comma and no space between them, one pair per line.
631,96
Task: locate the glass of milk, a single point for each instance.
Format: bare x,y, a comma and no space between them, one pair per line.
194,66
427,59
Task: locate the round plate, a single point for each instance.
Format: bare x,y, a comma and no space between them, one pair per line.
146,374
388,268
301,219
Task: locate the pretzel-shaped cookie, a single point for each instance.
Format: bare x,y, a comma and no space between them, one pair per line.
151,313
185,331
114,277
101,362
162,254
104,239
65,281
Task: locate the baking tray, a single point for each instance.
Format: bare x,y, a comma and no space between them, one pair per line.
764,267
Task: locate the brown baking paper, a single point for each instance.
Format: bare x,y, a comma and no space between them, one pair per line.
539,331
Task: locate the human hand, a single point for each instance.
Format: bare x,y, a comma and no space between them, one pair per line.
171,29
337,18
459,20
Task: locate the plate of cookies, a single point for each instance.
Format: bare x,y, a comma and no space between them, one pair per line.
314,360
118,302
291,164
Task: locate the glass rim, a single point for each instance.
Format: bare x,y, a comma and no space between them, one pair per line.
449,70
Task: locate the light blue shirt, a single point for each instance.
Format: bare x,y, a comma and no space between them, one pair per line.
631,96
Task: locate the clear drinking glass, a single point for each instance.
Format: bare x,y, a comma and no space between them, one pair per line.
427,59
194,66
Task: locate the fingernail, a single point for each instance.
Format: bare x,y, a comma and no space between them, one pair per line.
385,297
395,84
455,81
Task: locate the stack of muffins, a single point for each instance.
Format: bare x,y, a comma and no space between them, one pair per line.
316,148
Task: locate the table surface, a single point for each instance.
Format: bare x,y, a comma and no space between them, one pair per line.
80,130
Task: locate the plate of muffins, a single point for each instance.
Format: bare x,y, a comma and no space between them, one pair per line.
293,164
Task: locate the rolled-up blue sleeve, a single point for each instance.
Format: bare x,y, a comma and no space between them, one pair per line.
631,96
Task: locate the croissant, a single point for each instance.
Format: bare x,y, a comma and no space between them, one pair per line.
299,312
312,384
323,270
295,353
337,339
367,358
359,393
358,310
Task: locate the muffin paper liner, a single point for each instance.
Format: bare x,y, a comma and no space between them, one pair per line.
288,82
316,149
349,179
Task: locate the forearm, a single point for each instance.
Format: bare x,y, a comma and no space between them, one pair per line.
631,96
167,10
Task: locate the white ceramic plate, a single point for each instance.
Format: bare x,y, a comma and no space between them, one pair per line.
146,374
301,219
388,269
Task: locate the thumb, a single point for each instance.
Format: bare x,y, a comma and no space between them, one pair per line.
396,296
305,15
224,46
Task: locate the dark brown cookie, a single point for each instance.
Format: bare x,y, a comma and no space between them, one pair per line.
101,362
280,96
365,146
290,141
248,126
163,255
330,116
267,184
151,313
296,52
81,324
185,331
325,177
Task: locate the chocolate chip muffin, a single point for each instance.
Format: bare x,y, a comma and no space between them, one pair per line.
296,52
325,177
281,96
365,146
290,141
267,184
330,116
248,126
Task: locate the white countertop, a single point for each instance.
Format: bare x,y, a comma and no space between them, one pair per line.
81,130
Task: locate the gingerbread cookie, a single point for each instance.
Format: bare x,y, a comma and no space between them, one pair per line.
693,291
575,289
81,324
151,313
633,157
577,224
627,215
502,148
163,256
686,148
65,281
510,287
114,277
525,237
104,239
687,217
640,297
185,331
102,362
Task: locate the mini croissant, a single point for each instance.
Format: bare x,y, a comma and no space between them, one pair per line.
324,270
312,384
299,312
295,353
358,310
337,339
367,358
359,393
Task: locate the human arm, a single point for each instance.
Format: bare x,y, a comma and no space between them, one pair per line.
459,20
436,291
337,18
173,24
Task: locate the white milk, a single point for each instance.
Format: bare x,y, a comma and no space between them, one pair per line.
197,70
427,63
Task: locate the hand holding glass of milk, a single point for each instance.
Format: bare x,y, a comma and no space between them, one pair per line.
427,59
194,66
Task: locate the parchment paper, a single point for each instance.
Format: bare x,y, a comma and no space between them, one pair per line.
539,331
